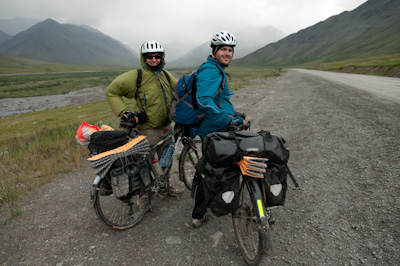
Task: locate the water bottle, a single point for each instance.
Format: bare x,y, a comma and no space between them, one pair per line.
157,166
167,154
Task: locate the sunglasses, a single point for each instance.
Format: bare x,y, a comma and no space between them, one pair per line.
153,56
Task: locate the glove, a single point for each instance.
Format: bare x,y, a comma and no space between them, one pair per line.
237,120
142,117
242,115
128,117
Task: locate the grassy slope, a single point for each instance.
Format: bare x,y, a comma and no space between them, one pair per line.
17,65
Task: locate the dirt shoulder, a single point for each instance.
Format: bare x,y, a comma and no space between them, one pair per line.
344,153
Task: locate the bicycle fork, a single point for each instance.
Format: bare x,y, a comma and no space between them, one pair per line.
258,203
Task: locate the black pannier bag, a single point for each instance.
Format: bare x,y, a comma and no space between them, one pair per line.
129,180
220,149
102,141
264,144
275,182
221,189
275,148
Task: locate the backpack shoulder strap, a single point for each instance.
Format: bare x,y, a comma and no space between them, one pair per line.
138,82
222,86
166,74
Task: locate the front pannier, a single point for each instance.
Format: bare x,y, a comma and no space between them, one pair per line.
221,189
275,182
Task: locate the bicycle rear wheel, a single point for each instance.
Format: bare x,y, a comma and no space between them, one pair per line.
119,214
187,161
250,236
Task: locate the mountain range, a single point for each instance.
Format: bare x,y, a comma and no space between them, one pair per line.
69,44
372,29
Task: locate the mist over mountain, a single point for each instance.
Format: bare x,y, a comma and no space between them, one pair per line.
4,37
16,25
249,40
372,29
69,44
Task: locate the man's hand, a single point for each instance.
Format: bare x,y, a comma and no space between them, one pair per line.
242,115
129,117
141,117
237,120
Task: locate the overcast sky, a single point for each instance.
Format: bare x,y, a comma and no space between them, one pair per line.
186,21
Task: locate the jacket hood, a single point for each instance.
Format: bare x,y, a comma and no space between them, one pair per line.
144,65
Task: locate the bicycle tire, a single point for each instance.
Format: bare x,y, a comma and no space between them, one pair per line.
119,214
187,161
250,236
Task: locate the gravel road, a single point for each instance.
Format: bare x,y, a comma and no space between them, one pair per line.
345,155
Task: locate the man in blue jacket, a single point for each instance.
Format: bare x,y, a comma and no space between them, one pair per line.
214,103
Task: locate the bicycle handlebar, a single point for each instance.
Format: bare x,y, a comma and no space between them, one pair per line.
239,127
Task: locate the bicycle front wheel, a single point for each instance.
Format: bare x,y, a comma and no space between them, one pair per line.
119,214
250,236
187,161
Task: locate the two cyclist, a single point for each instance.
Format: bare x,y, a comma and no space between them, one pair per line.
153,101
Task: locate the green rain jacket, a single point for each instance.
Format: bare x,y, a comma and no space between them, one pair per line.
154,96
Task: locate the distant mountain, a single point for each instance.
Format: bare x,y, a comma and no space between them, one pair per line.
174,50
372,29
4,37
16,25
249,40
68,44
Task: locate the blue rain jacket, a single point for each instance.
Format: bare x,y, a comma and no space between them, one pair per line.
218,108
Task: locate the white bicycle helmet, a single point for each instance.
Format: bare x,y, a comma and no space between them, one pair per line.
151,47
223,38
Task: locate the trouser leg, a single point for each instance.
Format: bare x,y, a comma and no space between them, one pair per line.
200,206
156,135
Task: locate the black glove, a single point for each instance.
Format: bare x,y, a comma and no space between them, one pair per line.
242,115
142,117
128,117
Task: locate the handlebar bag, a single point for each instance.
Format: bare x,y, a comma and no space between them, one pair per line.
102,141
220,149
264,144
275,148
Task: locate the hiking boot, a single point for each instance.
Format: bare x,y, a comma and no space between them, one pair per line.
196,223
142,201
172,192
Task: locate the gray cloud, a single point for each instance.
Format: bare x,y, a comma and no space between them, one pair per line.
192,22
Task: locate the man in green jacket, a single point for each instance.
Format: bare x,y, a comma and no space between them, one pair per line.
152,110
